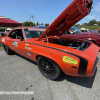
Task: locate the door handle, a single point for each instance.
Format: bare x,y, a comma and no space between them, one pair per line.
10,41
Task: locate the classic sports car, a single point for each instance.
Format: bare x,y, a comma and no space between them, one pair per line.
74,33
85,30
52,53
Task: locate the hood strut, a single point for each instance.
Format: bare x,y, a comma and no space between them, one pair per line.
46,38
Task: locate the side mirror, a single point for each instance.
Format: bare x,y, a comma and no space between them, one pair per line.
21,39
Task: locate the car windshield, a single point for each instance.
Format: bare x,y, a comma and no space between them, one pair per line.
33,33
95,31
90,30
76,31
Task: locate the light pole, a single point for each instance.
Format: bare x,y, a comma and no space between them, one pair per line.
33,18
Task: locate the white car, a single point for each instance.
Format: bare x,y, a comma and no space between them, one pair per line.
85,30
7,30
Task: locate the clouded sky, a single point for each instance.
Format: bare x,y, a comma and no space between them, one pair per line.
44,10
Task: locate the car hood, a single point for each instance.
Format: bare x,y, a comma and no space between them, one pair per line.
77,10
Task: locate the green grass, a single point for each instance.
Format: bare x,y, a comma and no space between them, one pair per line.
89,27
1,47
8,27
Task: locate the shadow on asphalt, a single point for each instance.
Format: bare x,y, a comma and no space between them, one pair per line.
82,81
31,61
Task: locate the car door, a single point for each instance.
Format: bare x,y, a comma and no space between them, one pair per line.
15,43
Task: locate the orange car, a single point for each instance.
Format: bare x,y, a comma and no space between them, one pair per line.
52,53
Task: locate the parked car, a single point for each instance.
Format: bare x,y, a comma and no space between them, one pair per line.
77,34
2,31
96,31
85,30
53,55
7,30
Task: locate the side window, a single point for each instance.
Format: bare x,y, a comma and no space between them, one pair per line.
12,34
82,30
68,32
16,34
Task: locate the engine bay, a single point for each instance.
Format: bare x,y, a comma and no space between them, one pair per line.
73,44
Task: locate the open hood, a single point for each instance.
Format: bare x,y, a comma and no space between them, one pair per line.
77,10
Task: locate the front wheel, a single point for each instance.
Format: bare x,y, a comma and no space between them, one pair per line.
48,68
8,50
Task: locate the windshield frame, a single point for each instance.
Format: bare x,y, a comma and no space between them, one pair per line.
33,29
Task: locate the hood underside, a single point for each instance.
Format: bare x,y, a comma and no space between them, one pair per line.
77,10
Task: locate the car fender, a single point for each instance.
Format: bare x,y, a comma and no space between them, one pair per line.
3,40
91,39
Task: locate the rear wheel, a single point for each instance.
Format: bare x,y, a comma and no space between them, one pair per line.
8,50
48,68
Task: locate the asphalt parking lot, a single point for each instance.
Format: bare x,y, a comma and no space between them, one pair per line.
20,74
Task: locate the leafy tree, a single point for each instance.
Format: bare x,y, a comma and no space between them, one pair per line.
92,22
98,22
31,24
47,24
41,23
86,24
77,24
27,23
37,23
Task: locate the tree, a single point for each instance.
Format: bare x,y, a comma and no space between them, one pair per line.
41,23
47,24
31,23
98,22
92,22
27,23
37,23
77,24
86,24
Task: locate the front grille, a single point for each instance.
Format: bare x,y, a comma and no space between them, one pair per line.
95,64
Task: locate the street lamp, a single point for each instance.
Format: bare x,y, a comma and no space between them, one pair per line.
33,18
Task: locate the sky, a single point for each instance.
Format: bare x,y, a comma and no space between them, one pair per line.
45,11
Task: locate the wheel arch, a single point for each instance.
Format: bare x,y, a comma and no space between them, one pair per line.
48,58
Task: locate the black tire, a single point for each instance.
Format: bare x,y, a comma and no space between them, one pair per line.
8,50
48,68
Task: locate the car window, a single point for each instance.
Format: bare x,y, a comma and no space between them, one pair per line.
33,33
90,30
77,31
16,34
82,30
